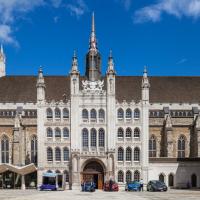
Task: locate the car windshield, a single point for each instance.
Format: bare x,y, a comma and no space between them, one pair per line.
158,183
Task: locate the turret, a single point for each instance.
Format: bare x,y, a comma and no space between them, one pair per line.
74,75
145,87
2,63
40,86
93,58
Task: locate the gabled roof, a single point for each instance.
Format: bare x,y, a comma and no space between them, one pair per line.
163,89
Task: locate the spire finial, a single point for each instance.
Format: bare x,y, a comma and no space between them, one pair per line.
93,41
74,62
110,62
93,23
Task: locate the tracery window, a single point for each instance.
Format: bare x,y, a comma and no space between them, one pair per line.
5,149
101,138
152,146
120,154
181,147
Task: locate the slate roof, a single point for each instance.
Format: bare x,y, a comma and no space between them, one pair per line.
163,89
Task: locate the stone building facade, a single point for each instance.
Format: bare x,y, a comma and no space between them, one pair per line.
98,127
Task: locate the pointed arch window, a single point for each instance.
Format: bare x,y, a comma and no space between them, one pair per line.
136,175
49,113
93,115
136,113
65,132
120,133
121,176
136,154
57,154
152,146
136,133
120,114
34,149
181,147
5,149
65,113
93,139
128,113
57,113
49,154
65,154
120,154
57,133
101,137
128,176
49,133
85,140
128,154
128,132
101,115
85,115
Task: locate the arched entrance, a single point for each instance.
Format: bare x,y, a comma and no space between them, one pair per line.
94,171
194,180
171,180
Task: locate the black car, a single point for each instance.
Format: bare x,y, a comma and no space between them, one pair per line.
155,185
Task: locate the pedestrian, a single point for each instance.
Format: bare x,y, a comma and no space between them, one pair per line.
141,185
110,184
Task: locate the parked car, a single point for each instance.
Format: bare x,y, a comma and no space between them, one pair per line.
88,186
132,186
115,187
156,185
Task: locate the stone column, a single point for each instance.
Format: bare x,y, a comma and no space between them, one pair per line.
170,145
23,186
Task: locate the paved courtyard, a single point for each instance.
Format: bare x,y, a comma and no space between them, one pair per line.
77,195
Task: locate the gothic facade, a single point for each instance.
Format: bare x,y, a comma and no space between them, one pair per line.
98,127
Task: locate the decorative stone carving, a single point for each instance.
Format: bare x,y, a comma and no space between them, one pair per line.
92,86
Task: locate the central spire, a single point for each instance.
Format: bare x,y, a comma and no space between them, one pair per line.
93,41
93,57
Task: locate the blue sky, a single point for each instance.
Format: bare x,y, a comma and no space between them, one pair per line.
162,34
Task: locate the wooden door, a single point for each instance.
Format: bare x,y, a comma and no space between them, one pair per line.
100,181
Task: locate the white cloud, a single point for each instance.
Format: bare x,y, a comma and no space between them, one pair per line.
183,60
126,3
6,35
177,8
12,10
78,8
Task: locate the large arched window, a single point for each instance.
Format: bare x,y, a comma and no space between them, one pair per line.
136,113
66,173
128,176
49,113
128,113
128,132
93,115
120,113
57,154
85,137
136,154
101,138
120,133
93,137
5,149
136,133
65,132
136,175
152,146
120,154
57,133
49,132
65,113
49,154
34,149
57,113
121,176
101,115
181,147
128,154
85,115
65,154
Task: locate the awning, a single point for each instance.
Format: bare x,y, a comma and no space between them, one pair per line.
49,174
19,170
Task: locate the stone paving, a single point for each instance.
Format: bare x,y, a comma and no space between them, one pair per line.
98,195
